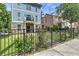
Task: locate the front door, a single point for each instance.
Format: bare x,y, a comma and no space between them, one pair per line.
28,28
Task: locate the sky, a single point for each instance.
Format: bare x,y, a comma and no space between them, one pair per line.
49,7
46,7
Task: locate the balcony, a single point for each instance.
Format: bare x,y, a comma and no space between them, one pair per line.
29,19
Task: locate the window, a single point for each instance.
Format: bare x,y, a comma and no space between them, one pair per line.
18,19
32,18
36,10
36,26
28,17
36,18
28,7
18,4
43,26
19,14
19,26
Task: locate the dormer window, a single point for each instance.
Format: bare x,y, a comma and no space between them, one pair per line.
28,7
36,9
18,4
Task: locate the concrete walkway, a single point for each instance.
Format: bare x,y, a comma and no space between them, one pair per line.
70,48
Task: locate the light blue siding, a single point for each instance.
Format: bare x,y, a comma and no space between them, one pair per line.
22,9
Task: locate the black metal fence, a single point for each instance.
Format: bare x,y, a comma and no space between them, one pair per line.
19,42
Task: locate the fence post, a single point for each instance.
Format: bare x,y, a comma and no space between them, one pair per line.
65,34
60,34
51,37
73,33
24,40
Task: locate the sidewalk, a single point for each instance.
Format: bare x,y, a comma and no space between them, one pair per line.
70,48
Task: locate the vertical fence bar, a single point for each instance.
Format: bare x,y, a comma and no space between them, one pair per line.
51,38
12,42
21,38
8,42
70,33
73,33
60,34
34,41
18,40
15,41
31,42
65,34
0,42
4,41
24,40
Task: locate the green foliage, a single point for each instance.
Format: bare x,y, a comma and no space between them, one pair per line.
55,27
66,28
69,11
5,17
42,40
28,43
25,44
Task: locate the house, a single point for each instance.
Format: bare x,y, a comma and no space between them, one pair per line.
64,23
75,25
26,16
49,20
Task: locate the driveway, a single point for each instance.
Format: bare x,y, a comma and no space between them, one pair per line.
70,48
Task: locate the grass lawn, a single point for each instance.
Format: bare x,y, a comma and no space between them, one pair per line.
56,36
7,44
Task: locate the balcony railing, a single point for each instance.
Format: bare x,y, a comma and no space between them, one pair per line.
29,18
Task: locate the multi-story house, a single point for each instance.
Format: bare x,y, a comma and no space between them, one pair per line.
26,16
49,20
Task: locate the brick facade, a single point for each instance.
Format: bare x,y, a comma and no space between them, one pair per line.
49,20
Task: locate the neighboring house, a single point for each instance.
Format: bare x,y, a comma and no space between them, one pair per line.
26,16
64,23
49,20
75,25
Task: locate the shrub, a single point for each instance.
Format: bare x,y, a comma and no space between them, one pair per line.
25,44
54,27
31,42
42,40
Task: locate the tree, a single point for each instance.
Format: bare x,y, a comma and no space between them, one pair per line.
5,18
69,11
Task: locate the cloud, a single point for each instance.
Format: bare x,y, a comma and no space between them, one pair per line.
49,7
